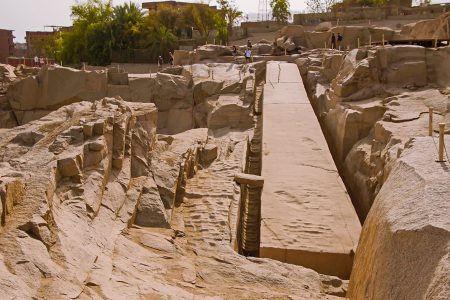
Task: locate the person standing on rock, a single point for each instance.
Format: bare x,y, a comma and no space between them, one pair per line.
234,51
333,41
36,61
171,58
160,62
339,40
249,44
41,61
248,55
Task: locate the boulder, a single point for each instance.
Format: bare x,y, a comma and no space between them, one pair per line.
7,73
174,99
264,41
213,51
264,49
280,41
292,31
324,26
289,44
406,234
142,89
317,39
56,86
150,210
209,153
181,57
230,111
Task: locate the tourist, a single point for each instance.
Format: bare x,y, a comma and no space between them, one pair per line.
339,40
160,62
234,52
248,55
171,58
333,41
36,61
249,44
41,61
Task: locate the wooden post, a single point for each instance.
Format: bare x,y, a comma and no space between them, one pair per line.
430,121
358,43
441,141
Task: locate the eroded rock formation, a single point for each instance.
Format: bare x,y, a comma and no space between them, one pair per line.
97,204
295,37
373,106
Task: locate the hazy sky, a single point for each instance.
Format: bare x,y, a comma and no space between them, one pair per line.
23,15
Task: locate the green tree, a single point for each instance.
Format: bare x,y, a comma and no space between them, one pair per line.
230,13
160,41
221,27
280,10
91,37
200,17
127,23
322,6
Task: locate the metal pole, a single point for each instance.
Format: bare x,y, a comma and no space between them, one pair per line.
441,141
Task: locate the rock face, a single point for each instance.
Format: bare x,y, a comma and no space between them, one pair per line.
212,51
40,92
374,112
354,36
180,99
407,234
96,205
302,223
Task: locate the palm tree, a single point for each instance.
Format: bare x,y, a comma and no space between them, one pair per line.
127,24
161,40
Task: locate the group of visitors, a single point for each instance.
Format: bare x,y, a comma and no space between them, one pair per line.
38,61
247,52
336,41
161,60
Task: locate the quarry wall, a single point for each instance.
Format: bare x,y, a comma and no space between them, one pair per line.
373,107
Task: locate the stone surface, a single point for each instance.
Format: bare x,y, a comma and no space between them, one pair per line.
381,147
84,213
324,26
301,222
406,235
183,101
212,51
40,92
252,180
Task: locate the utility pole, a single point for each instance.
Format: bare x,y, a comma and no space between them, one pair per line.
263,10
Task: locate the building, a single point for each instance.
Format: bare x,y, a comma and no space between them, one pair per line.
6,44
35,41
399,12
20,49
153,5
